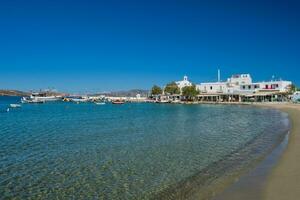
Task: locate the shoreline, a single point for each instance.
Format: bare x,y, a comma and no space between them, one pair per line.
217,188
283,181
277,177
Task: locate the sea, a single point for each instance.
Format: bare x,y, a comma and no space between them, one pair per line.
62,150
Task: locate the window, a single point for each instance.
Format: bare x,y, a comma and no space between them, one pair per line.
249,87
244,87
211,87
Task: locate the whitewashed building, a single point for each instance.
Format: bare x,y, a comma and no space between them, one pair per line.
183,83
213,87
237,88
241,88
242,84
270,86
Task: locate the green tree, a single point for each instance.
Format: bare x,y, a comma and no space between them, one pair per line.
190,92
172,88
156,90
293,88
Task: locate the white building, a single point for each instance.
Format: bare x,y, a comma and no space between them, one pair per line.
270,86
237,88
242,84
185,82
213,87
232,85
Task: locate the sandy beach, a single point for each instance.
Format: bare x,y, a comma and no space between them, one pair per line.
278,176
284,179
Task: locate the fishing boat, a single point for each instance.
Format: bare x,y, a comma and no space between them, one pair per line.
40,97
31,100
44,96
117,102
15,105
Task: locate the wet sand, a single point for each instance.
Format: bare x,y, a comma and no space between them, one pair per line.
284,179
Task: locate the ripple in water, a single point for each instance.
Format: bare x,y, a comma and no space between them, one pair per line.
63,150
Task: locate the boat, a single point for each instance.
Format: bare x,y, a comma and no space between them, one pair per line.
99,103
44,96
15,105
79,100
40,97
163,101
31,100
117,102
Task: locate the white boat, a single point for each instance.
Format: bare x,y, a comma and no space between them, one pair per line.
79,100
99,103
44,97
15,105
31,100
39,98
163,101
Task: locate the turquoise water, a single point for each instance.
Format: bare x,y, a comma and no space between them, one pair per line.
87,151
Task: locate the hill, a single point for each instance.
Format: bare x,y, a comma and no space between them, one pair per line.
13,93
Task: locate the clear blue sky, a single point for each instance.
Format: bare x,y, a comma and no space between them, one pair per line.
117,45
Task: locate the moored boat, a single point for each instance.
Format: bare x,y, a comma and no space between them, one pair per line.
99,103
40,97
117,102
31,100
44,97
14,105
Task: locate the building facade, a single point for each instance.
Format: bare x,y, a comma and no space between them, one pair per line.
183,83
237,88
242,84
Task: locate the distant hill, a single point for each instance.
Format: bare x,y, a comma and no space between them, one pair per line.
13,93
129,93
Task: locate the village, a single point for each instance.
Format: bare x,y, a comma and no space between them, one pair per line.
236,89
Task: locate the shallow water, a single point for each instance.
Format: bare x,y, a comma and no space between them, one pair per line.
65,150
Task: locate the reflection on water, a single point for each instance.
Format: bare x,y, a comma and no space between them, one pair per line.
65,150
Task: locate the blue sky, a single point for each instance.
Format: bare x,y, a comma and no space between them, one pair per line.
118,45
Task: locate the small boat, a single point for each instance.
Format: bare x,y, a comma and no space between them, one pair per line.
79,99
15,105
99,103
118,102
30,100
163,101
44,96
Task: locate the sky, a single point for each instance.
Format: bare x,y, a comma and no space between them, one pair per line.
84,46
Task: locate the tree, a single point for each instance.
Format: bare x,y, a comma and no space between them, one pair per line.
293,88
190,92
172,88
156,90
